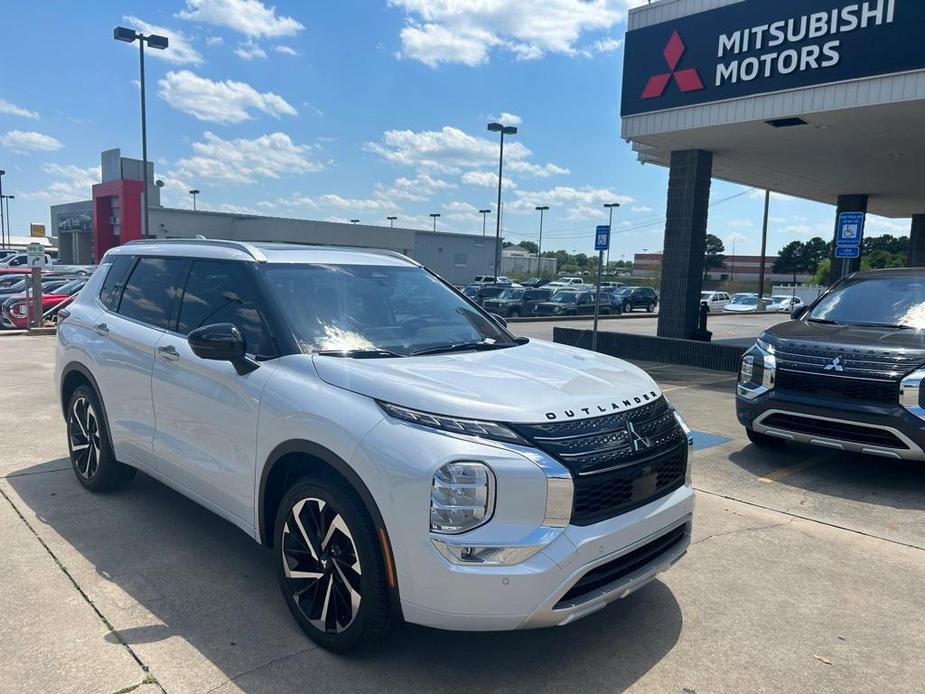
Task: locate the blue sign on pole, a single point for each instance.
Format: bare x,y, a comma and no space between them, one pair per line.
850,229
602,238
848,252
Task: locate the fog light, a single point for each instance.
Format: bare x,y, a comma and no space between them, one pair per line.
462,497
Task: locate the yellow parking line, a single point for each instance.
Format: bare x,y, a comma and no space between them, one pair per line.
785,472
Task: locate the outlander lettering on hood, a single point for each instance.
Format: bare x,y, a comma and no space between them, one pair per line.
635,401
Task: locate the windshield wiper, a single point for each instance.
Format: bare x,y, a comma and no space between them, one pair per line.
824,321
359,353
459,347
890,326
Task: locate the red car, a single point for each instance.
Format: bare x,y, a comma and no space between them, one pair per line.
18,313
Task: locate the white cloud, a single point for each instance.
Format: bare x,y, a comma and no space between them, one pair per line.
72,183
447,150
219,102
331,201
215,41
740,223
529,169
507,119
456,31
250,51
286,50
486,179
641,209
14,110
244,160
24,141
582,203
417,189
250,17
180,51
603,46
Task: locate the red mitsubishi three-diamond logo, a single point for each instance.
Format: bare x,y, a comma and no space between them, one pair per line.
688,80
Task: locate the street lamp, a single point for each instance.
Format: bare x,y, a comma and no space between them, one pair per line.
434,216
391,222
354,221
539,248
9,233
194,192
503,130
610,206
160,43
483,213
2,234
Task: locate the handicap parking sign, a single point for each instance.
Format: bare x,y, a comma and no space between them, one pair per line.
602,238
850,229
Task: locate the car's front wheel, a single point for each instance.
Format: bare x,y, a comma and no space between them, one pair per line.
650,307
89,445
627,307
330,566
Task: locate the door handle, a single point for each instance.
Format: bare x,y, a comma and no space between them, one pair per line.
168,352
101,328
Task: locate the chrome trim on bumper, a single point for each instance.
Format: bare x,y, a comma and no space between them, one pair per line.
914,452
548,615
910,391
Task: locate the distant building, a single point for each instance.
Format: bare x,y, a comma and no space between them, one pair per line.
515,252
737,268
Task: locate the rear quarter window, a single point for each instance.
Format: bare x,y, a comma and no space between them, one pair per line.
111,292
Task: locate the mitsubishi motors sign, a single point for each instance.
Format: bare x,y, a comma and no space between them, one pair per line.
764,46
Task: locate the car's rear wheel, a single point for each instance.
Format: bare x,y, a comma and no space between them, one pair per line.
650,307
627,307
89,445
330,566
763,440
515,313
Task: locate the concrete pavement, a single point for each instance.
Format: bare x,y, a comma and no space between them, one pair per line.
802,577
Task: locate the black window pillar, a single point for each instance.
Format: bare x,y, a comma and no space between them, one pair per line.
917,242
685,237
846,203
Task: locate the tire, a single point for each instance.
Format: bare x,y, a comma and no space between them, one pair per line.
650,308
627,307
89,445
515,313
350,569
763,440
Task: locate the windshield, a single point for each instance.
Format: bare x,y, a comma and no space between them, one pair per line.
565,298
746,301
399,310
512,294
780,299
888,302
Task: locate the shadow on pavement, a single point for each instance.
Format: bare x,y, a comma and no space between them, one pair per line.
166,569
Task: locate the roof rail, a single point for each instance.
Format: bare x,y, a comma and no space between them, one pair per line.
248,248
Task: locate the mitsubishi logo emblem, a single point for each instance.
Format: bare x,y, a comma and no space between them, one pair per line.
836,365
688,80
638,442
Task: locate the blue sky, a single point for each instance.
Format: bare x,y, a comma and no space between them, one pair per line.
354,109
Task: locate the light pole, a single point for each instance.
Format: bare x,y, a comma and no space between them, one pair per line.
391,222
610,206
194,192
483,213
2,233
503,130
354,221
539,247
160,43
9,232
434,215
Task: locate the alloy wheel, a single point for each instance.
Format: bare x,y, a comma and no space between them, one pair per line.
84,432
321,565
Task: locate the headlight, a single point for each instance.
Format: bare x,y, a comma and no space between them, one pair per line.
19,310
758,370
453,425
462,497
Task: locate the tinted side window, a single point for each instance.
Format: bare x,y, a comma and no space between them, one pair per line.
151,289
219,292
115,281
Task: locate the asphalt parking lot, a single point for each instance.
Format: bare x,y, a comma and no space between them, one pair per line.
805,574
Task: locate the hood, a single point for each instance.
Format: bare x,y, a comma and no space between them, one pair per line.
849,336
536,382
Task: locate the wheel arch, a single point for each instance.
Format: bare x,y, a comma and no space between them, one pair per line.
74,375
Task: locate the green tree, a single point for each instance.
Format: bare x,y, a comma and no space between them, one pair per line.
530,247
816,250
581,260
822,272
793,260
713,257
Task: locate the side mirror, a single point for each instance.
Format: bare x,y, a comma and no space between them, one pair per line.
498,319
799,312
222,342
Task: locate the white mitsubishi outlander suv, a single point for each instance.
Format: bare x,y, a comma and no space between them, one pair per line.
404,456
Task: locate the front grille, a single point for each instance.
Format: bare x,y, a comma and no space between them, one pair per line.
838,431
619,461
859,362
838,387
620,567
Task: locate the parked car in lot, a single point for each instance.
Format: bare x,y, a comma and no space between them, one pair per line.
784,303
715,301
22,260
631,298
401,466
484,279
480,292
847,374
514,302
569,281
745,304
611,285
17,312
569,303
534,282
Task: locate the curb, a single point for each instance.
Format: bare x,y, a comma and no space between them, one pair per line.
41,331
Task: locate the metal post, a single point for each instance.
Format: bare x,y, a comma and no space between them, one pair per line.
609,224
498,211
597,299
144,136
539,247
484,217
36,297
2,222
764,250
